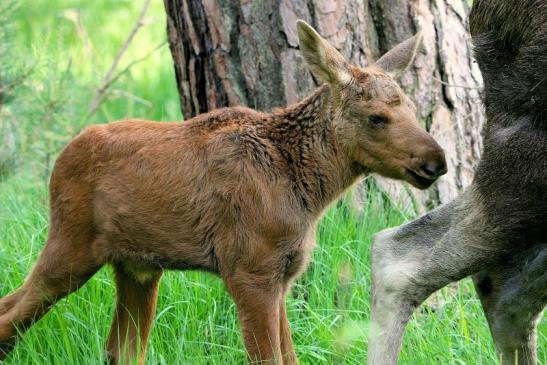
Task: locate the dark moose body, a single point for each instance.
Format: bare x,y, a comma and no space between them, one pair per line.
497,229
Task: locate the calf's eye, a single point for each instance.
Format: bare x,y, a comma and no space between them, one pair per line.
377,120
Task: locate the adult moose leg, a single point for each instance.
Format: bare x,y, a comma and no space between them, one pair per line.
257,299
65,264
136,304
513,294
412,261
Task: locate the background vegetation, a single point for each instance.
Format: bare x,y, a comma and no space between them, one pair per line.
53,56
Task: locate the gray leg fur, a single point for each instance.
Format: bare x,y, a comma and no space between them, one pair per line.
412,261
513,294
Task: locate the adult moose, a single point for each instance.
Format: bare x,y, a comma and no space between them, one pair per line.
235,192
497,229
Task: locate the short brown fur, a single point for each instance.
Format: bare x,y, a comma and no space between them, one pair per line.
234,192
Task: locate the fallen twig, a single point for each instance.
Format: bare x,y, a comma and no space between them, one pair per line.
133,63
130,96
460,86
107,81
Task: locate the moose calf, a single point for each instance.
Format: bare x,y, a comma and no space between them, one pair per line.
234,192
497,229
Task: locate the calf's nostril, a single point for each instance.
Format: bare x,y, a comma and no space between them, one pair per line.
433,168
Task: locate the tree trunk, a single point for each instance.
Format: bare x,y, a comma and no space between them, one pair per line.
229,52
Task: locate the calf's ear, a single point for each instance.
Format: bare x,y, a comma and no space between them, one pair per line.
401,57
323,59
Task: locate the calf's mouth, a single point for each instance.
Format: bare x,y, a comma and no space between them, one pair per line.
419,180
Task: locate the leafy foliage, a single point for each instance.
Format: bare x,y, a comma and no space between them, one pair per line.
8,81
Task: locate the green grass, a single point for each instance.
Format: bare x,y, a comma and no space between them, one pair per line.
196,321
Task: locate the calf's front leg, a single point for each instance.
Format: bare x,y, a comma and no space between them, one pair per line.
287,348
412,261
257,298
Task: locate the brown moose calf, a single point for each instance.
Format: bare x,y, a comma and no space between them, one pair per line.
235,192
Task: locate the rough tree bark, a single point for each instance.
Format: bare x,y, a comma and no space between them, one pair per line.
229,52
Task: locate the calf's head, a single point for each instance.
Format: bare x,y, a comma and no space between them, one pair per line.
374,120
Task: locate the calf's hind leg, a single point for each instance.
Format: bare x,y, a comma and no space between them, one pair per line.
137,294
64,265
513,294
412,261
10,300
